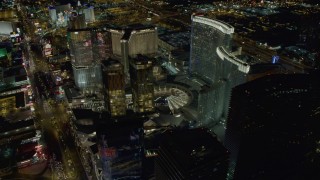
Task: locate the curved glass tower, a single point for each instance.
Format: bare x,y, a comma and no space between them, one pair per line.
206,36
206,64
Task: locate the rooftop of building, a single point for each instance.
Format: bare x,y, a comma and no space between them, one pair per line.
141,59
127,34
131,118
19,97
176,39
4,88
265,67
81,29
279,106
220,25
22,114
119,129
6,126
181,54
248,59
106,27
83,113
139,27
192,147
276,84
110,62
84,120
14,71
62,8
71,91
134,27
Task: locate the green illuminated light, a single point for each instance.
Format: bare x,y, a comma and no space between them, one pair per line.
3,52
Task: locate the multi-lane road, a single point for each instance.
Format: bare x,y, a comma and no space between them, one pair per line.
52,119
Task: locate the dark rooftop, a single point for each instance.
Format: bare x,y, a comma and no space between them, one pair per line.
181,54
264,67
83,113
138,26
128,29
192,147
15,71
127,34
6,126
19,98
83,29
62,8
130,118
141,59
9,88
276,82
177,39
109,62
71,92
94,148
84,120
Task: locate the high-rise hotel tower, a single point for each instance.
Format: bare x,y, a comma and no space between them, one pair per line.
86,70
113,80
133,40
142,84
206,37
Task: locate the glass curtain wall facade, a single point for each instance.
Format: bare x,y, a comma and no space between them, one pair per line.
273,123
81,48
213,100
206,36
87,77
114,83
191,154
85,61
142,84
102,47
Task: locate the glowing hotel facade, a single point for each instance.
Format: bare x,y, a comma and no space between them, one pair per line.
87,71
212,62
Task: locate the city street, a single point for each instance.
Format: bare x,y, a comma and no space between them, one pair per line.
52,119
180,33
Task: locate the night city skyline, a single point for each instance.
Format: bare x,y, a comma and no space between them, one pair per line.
160,89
